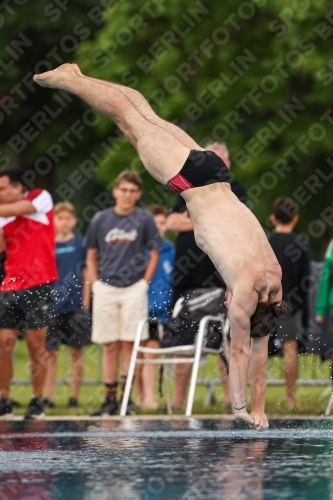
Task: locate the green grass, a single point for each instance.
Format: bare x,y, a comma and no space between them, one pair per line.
312,398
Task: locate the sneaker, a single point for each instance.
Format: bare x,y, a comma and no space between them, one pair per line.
35,410
5,409
72,403
109,407
48,403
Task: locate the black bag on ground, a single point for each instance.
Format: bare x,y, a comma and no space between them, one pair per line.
182,326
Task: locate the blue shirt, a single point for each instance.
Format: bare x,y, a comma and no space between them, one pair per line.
67,291
160,289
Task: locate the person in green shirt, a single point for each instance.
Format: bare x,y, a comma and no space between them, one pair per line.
325,289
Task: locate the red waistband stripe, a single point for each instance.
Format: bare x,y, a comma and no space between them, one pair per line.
179,184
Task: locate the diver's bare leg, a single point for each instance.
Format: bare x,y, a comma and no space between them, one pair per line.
144,108
160,152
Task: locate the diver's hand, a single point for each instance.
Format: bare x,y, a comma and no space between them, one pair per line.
260,420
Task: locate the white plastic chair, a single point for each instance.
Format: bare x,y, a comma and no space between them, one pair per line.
184,354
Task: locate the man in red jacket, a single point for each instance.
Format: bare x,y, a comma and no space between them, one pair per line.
27,234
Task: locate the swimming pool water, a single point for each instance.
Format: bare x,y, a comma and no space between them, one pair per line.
174,459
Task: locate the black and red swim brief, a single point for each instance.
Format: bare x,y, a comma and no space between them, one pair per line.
200,169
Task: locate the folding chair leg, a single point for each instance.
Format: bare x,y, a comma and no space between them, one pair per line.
131,369
198,349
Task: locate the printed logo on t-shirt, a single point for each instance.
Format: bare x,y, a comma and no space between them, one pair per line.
120,236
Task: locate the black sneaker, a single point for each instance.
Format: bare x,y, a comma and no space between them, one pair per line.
109,407
72,403
5,409
48,403
35,410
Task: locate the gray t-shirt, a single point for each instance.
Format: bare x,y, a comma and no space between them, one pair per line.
122,241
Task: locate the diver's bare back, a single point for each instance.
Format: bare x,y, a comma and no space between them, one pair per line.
232,237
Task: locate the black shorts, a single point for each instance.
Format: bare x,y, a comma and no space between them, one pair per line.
73,329
153,331
290,327
26,309
200,169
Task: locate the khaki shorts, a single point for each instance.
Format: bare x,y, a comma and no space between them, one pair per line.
117,311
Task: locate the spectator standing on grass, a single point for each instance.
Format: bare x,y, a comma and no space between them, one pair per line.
293,256
119,237
159,296
27,234
193,270
70,317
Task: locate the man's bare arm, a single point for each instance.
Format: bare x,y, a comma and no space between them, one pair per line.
239,360
257,379
17,208
86,292
152,265
243,305
179,222
92,269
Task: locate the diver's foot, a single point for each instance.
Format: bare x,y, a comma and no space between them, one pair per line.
59,78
